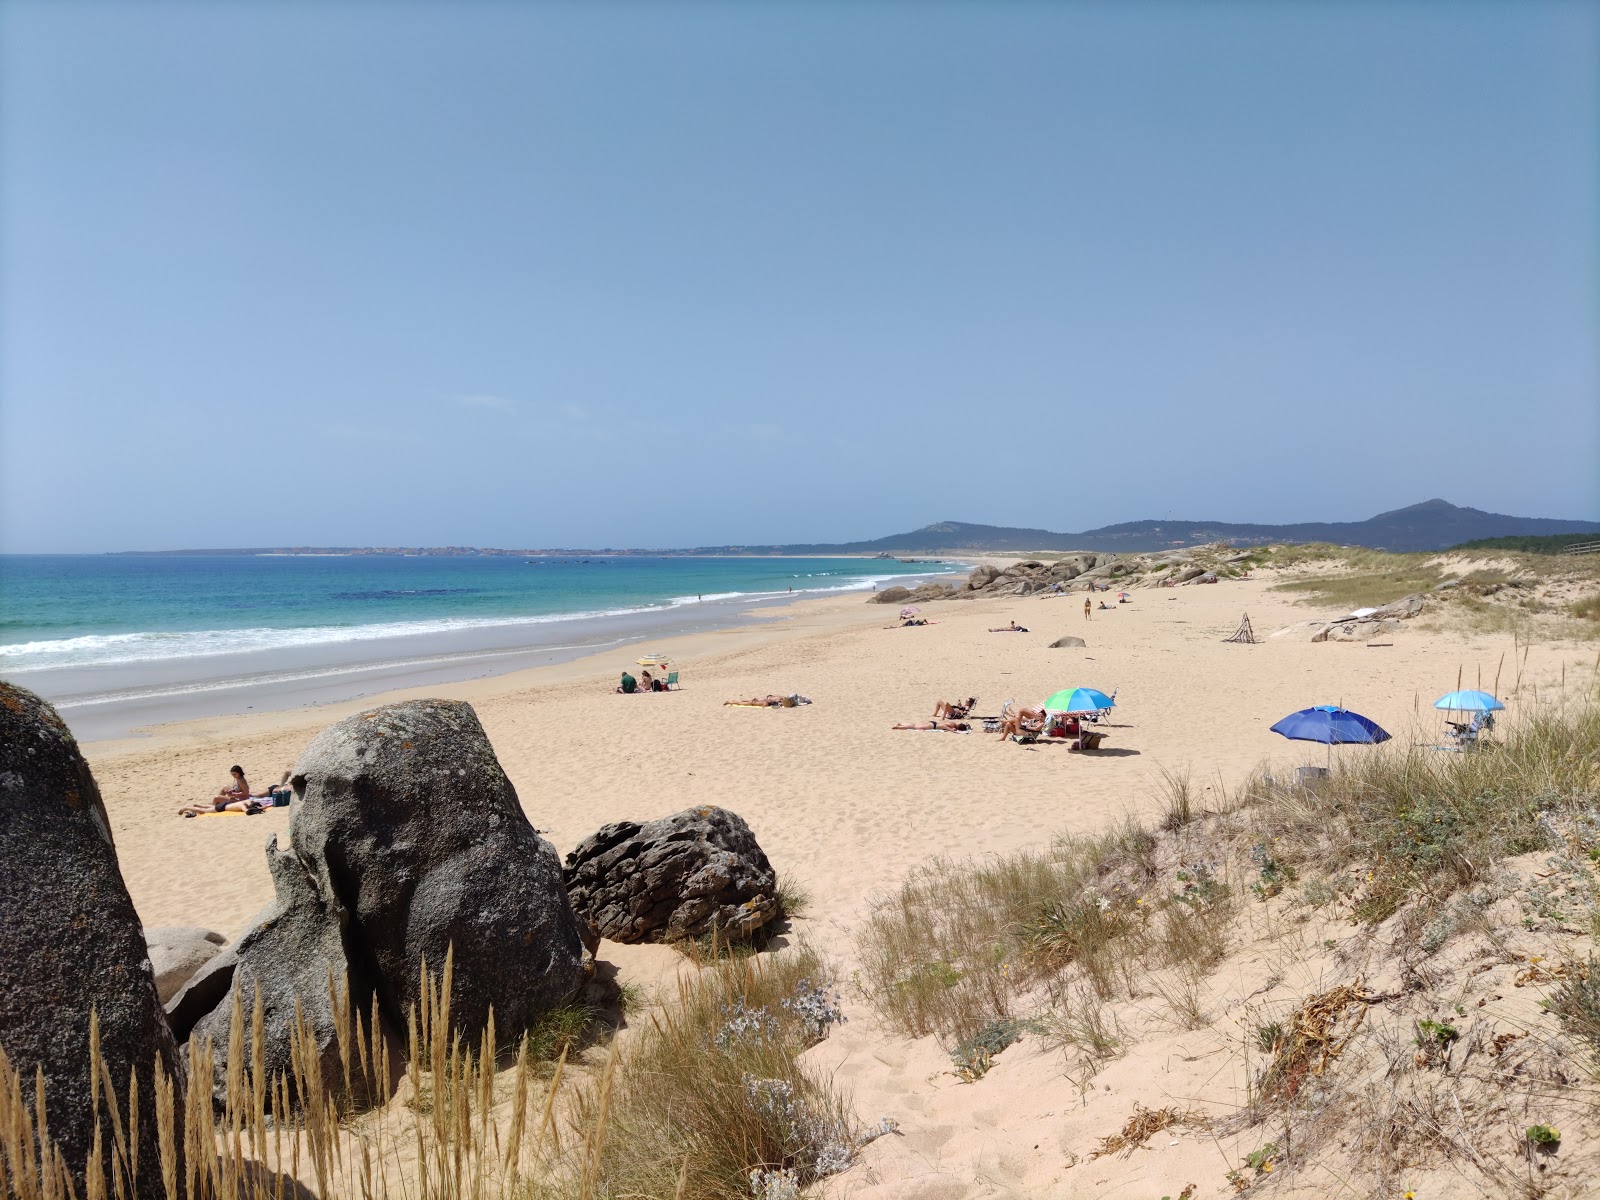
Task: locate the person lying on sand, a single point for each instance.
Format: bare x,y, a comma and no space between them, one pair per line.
770,701
954,709
1021,720
235,797
940,726
910,621
1011,628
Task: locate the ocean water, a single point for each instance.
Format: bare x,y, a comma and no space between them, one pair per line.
114,639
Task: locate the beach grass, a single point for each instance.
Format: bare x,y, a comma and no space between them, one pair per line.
709,1100
1054,934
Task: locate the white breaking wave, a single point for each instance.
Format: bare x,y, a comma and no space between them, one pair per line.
117,649
255,682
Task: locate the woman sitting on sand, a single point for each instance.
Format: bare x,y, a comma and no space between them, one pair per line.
940,726
954,709
1011,628
234,798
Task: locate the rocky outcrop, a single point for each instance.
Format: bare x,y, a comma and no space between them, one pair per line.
407,818
680,877
70,941
1356,631
1362,628
408,843
891,595
177,952
294,959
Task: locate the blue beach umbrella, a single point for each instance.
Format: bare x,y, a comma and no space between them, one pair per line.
1469,702
1331,725
1079,700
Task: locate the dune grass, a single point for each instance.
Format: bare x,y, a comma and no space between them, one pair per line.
966,943
1055,934
1426,823
709,1100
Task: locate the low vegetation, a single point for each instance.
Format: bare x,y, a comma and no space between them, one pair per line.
712,1100
708,1099
1409,845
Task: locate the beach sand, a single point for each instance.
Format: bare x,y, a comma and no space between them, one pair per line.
842,805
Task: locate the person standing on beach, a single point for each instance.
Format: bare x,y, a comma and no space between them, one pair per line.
1088,610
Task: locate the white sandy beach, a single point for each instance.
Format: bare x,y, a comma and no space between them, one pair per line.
839,801
845,807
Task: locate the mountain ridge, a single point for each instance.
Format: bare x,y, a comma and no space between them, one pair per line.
1431,525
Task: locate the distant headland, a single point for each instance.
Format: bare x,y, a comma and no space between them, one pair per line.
1431,525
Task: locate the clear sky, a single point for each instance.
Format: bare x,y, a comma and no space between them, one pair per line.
663,274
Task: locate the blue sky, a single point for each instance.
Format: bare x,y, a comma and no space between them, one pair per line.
668,274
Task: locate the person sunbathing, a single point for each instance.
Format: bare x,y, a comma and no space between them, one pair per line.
1028,720
1011,628
772,700
954,709
235,798
940,726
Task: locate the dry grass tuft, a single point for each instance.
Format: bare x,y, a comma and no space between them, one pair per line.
1315,1034
1141,1127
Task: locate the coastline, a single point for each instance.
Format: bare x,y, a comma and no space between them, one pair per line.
124,699
838,800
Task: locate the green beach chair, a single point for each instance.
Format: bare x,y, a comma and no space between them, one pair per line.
672,680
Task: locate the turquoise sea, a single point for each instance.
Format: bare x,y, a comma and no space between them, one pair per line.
121,639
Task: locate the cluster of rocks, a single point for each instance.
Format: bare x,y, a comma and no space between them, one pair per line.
407,844
1361,626
1197,565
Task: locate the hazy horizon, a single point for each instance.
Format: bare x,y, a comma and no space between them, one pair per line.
601,547
705,274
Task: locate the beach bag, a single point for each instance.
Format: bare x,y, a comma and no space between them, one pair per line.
280,796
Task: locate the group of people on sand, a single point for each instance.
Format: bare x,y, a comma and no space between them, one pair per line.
1029,721
646,683
948,717
236,797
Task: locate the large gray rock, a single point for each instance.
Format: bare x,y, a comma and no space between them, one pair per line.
1357,631
680,877
1063,643
294,958
406,819
177,952
890,595
981,576
1401,610
70,941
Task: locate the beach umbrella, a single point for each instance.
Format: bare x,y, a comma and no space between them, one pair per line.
1469,702
1331,725
908,611
652,660
1078,700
